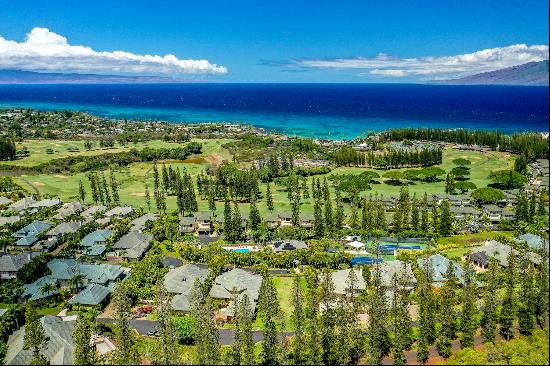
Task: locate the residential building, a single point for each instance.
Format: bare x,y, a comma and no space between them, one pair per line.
61,229
140,223
131,247
10,264
235,284
69,209
28,235
439,266
180,281
119,212
58,348
94,244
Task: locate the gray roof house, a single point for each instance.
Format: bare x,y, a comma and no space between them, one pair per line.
439,265
285,245
23,204
132,246
180,281
341,284
58,349
390,268
63,228
45,203
187,224
68,209
10,264
140,223
91,211
236,283
500,251
4,201
5,220
120,212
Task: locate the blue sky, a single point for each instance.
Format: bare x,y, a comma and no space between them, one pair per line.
268,41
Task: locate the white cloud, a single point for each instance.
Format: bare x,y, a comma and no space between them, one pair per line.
436,67
44,50
389,72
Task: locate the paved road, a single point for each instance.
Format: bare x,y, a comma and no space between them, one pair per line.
143,327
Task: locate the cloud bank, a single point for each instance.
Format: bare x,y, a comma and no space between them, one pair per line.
431,67
44,50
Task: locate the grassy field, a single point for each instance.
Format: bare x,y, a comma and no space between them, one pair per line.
464,242
132,178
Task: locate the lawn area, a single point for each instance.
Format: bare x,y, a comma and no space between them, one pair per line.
132,189
472,239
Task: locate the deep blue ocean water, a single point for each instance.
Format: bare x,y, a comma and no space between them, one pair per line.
318,110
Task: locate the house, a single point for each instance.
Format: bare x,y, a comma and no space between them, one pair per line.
92,295
341,282
23,204
119,212
180,281
464,212
58,348
284,218
10,264
45,203
61,229
93,210
497,214
204,222
220,220
459,200
398,268
69,209
28,235
235,284
498,251
94,244
188,224
131,246
533,241
140,223
63,270
272,221
438,266
6,220
5,201
286,245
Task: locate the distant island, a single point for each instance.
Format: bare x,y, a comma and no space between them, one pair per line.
531,73
31,77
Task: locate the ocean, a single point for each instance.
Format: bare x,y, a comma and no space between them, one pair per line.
333,111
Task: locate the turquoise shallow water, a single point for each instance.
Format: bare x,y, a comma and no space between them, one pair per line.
334,111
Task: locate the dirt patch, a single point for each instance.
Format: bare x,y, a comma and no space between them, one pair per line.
214,159
194,161
38,184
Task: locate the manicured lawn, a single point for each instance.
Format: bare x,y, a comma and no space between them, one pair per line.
132,189
465,240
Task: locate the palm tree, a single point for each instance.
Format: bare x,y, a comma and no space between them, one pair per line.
76,282
48,288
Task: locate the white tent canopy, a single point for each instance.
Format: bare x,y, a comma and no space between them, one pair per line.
356,244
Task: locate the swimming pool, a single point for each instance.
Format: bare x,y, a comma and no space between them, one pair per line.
242,250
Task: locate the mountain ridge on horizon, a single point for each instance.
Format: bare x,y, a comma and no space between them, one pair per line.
528,74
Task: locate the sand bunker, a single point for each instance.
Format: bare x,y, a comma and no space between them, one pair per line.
60,176
138,194
38,184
